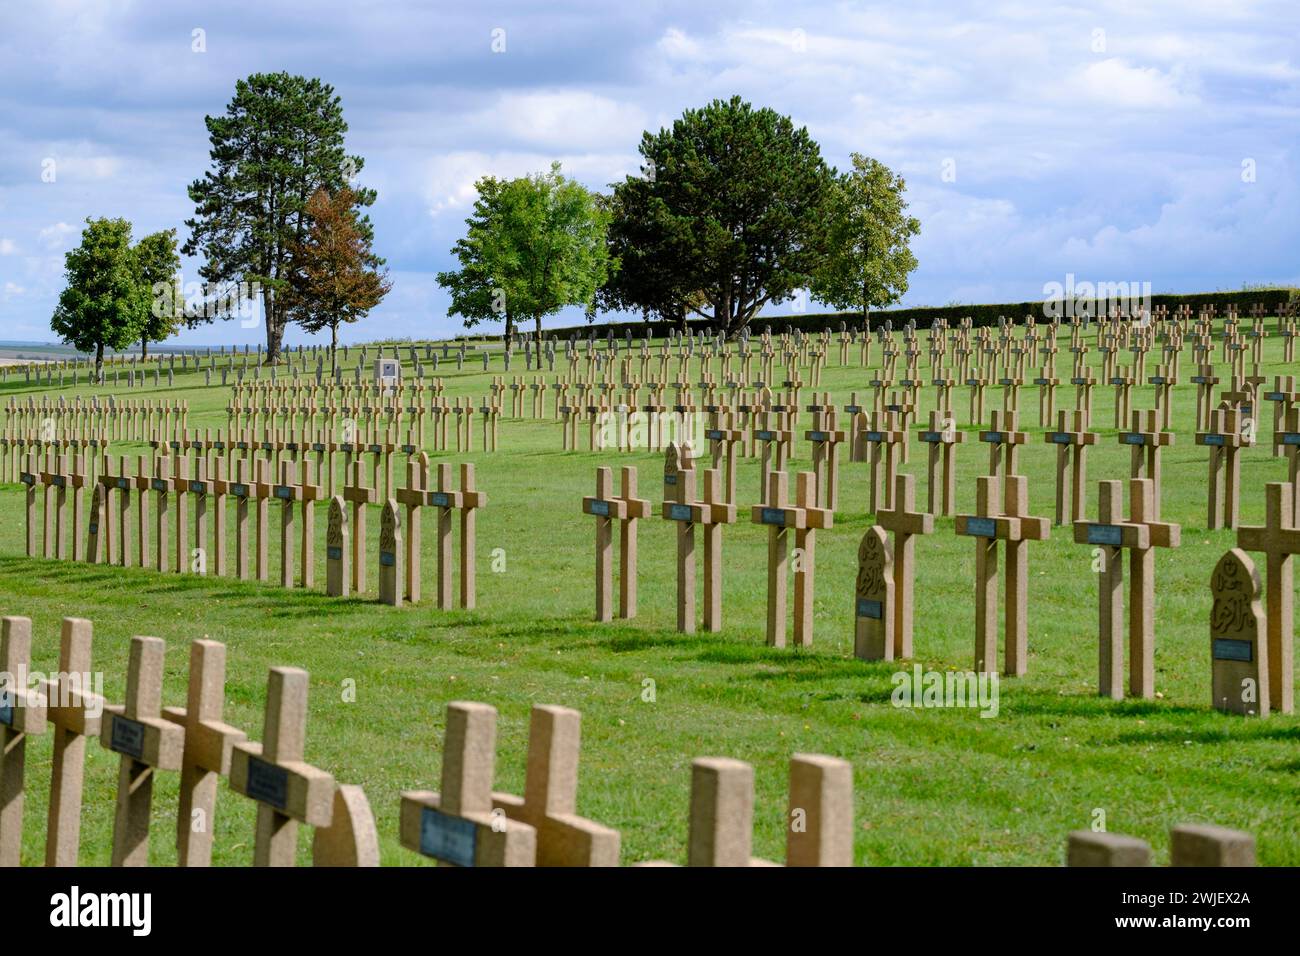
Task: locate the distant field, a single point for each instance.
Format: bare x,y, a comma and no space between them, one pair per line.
931,786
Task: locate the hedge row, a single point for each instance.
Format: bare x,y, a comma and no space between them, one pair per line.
924,317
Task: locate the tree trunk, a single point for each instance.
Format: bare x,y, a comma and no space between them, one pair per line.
510,331
144,348
866,309
99,361
334,348
538,348
274,327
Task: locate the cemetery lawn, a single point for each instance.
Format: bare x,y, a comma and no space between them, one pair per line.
931,786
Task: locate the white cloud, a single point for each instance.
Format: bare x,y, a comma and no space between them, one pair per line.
56,236
7,247
1114,82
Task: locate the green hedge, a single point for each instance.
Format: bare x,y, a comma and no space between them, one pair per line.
925,316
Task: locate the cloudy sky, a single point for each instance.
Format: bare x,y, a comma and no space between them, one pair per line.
1153,142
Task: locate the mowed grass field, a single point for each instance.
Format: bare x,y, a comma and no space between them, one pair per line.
931,786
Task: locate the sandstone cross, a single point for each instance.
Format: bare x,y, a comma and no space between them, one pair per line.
209,742
1278,539
146,743
288,790
458,826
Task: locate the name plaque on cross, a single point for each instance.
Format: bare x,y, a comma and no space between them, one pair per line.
1232,649
994,437
765,435
873,436
713,434
387,559
334,554
268,783
284,492
199,487
869,608
773,516
600,508
1107,534
127,737
981,527
679,512
239,491
439,499
1214,439
816,436
447,838
159,485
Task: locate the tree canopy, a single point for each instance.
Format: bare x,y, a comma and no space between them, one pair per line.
866,259
104,304
727,218
335,275
533,246
159,264
280,140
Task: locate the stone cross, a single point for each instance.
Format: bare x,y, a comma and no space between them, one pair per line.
22,713
1111,535
1223,490
819,817
905,522
779,517
209,742
550,801
459,826
1004,443
1072,440
1239,652
288,790
1146,439
1278,539
146,742
74,713
943,438
413,498
993,522
359,495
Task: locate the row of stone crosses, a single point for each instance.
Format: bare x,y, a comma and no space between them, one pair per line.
1251,652
465,823
164,516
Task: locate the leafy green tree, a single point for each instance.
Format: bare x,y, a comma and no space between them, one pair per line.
104,304
475,294
336,277
726,218
159,264
866,259
280,140
533,246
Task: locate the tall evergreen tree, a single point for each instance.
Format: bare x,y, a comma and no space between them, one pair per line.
280,140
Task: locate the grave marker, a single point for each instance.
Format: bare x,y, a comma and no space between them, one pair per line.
146,743
209,742
458,826
1239,651
288,791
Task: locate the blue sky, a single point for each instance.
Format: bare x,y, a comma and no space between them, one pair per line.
1115,141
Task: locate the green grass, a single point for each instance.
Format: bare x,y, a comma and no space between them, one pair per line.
931,786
